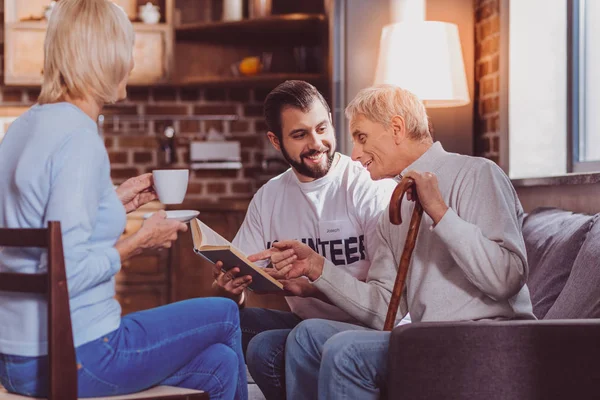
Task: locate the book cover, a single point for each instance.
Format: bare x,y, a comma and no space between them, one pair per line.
213,247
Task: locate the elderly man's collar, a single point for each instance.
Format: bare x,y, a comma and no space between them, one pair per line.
430,161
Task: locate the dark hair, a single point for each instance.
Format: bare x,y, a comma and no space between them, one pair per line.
296,94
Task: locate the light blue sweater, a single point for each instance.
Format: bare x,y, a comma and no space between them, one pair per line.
54,167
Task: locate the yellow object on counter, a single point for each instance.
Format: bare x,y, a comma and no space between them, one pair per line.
250,66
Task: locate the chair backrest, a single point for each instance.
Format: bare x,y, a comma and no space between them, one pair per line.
61,352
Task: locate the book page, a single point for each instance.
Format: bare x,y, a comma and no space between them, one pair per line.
211,238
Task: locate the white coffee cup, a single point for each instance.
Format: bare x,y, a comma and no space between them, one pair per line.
170,185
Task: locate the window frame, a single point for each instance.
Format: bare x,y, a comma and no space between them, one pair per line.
576,78
575,81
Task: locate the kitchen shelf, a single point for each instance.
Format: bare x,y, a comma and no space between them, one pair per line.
43,24
266,80
140,118
249,29
24,53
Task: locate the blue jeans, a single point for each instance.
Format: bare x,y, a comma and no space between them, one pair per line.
264,333
193,344
335,360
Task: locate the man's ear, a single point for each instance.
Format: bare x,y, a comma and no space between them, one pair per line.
398,129
274,140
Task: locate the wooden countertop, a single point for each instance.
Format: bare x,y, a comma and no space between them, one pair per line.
203,205
135,219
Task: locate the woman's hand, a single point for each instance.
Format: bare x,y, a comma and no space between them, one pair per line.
159,232
136,191
292,259
156,232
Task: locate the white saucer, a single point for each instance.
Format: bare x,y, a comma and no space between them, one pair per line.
179,215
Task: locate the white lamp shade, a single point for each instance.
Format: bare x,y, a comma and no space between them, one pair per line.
424,57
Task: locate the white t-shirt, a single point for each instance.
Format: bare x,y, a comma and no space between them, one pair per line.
336,215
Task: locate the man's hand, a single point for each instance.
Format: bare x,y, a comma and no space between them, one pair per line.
136,191
228,282
429,194
292,259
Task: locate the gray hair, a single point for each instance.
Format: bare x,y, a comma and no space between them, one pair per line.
380,103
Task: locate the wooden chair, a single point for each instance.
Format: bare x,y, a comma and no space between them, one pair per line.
409,246
61,352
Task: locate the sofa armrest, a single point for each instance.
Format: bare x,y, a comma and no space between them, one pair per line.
558,359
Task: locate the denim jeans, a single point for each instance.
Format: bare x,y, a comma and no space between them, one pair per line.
335,360
193,344
264,333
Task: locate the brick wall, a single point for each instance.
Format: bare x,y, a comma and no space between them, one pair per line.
133,147
487,77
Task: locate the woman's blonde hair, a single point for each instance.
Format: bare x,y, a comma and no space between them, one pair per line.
380,103
87,51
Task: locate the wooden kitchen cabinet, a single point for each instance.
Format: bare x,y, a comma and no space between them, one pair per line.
151,54
25,31
144,280
24,53
141,297
139,286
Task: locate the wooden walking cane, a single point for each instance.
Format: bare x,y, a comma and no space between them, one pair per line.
409,246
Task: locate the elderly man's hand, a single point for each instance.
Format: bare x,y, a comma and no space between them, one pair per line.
292,259
429,194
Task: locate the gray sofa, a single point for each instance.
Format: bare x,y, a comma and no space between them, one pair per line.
557,357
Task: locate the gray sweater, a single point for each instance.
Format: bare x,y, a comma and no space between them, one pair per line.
472,265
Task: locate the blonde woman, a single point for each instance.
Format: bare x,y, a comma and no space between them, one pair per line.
53,166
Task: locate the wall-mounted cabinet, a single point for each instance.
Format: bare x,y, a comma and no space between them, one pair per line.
292,42
152,54
24,53
25,31
192,45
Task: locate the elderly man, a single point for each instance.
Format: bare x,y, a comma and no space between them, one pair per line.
469,262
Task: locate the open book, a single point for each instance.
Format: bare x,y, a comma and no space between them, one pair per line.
214,247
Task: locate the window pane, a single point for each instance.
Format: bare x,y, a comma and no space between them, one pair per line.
590,130
538,88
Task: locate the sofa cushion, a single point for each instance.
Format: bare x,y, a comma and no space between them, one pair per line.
553,239
580,297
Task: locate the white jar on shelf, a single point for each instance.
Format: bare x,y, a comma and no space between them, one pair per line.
149,13
233,10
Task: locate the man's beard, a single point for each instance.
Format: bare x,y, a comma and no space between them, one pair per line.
315,171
